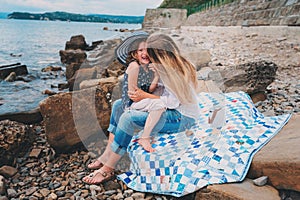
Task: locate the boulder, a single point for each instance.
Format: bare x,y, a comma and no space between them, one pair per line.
72,118
279,159
245,190
253,77
76,42
15,140
199,58
72,56
81,75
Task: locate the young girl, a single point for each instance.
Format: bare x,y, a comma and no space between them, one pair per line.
142,75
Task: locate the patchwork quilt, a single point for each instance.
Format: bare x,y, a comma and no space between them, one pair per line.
218,149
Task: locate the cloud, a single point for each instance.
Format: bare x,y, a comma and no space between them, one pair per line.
117,7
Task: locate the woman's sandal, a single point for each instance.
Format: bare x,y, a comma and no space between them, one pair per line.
106,176
95,165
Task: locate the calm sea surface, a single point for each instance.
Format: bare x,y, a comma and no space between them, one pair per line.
38,44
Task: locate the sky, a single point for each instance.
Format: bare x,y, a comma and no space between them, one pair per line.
112,7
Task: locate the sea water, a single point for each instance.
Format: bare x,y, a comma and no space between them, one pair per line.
36,44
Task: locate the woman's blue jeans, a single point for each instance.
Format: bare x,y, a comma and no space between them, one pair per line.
124,123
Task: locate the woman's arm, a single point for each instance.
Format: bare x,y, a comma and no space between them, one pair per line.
139,94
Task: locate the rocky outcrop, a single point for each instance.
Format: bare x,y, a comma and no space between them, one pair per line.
72,118
250,77
84,63
279,159
15,140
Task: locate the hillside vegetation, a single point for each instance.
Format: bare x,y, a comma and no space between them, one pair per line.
181,4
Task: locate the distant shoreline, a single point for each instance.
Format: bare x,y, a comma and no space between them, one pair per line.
72,17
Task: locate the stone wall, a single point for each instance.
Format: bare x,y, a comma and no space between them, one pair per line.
249,13
164,18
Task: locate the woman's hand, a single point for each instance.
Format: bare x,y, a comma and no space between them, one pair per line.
137,95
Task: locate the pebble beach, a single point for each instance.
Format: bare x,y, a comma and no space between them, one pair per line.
41,173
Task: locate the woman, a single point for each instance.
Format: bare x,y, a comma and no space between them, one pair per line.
179,78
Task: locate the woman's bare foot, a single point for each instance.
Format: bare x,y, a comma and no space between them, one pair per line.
95,165
99,176
145,143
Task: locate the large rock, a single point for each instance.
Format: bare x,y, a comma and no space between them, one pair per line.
251,77
15,140
76,42
81,75
245,190
72,56
73,118
279,159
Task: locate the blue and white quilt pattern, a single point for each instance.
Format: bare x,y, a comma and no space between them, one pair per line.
207,154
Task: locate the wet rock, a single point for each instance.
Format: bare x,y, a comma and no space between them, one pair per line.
49,92
51,68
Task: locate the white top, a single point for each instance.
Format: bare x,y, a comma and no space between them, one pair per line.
171,102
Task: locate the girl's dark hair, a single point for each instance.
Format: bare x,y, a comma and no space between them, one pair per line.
133,50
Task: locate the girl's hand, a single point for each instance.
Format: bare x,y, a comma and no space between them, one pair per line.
137,95
153,68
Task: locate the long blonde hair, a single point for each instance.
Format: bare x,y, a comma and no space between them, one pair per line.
177,73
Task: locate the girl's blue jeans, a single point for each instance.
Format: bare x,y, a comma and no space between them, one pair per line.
124,124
